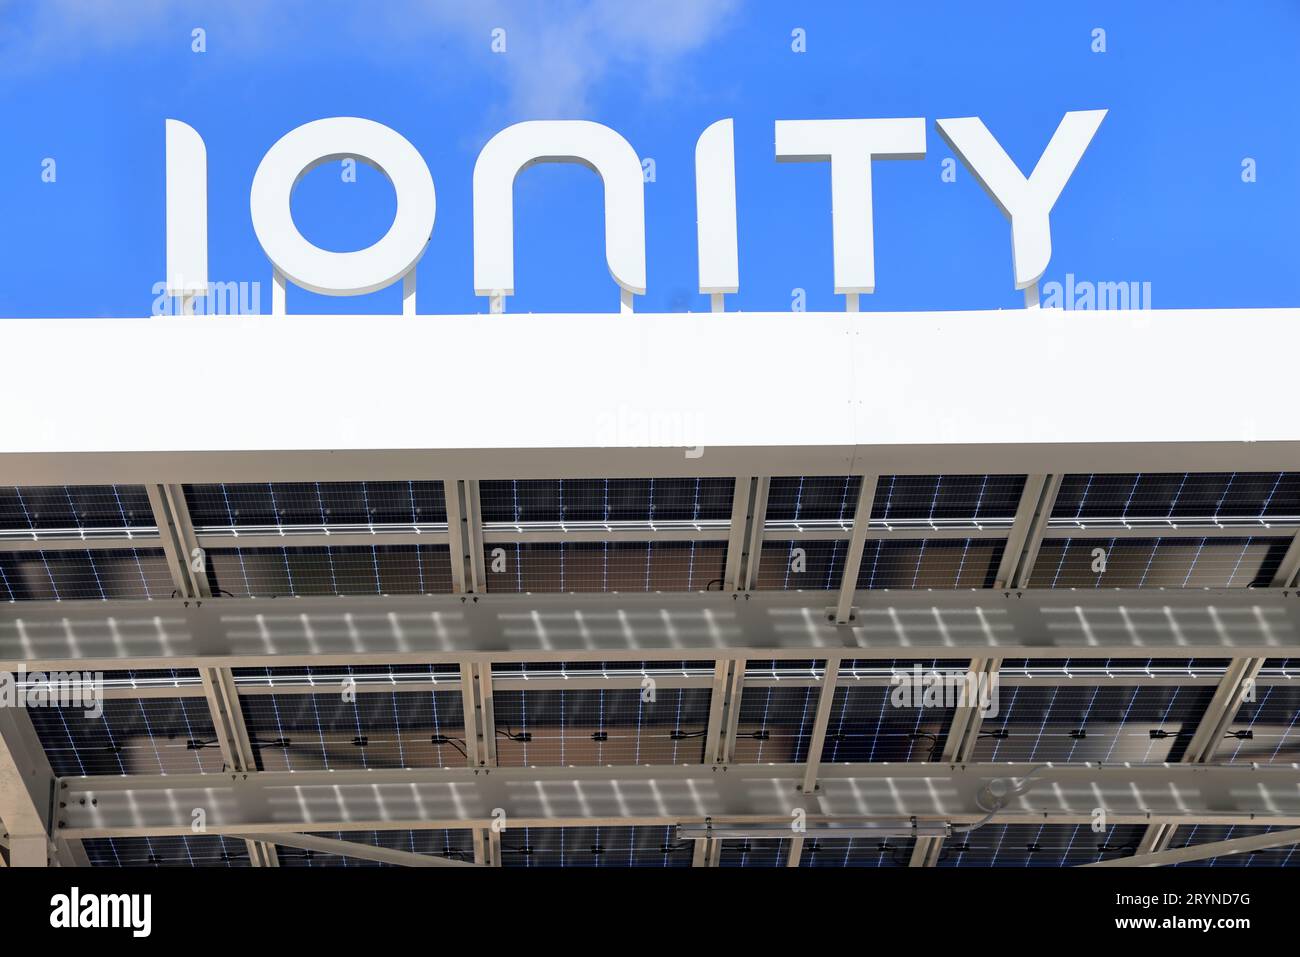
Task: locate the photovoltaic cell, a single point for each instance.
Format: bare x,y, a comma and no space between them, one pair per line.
399,729
595,727
83,507
522,502
594,847
1033,845
1158,562
142,736
775,724
359,570
60,575
605,566
190,850
1144,725
1098,499
456,845
282,505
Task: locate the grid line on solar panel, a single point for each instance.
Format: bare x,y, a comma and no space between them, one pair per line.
594,847
65,575
1189,497
131,736
1158,562
1193,835
334,677
549,669
523,502
1034,845
454,844
856,852
1265,730
188,850
605,566
315,505
339,731
1140,724
944,499
599,726
318,570
83,508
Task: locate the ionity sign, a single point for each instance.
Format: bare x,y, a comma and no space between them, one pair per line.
849,146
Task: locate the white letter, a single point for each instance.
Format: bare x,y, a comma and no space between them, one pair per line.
850,146
187,211
1026,202
715,209
518,147
300,151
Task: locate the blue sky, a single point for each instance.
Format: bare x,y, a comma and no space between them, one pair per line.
1192,88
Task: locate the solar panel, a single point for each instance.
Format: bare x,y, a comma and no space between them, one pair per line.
599,726
746,853
1033,845
594,847
288,505
60,575
856,852
523,502
456,845
398,729
1144,725
196,850
946,499
813,498
132,736
81,507
357,570
1158,562
775,724
867,724
605,566
333,677
1101,499
802,564
939,563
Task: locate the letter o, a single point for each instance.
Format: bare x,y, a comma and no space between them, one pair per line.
355,273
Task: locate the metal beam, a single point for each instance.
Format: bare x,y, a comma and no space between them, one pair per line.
825,701
402,799
1204,852
1033,517
456,536
736,535
1037,623
365,852
27,790
853,558
757,517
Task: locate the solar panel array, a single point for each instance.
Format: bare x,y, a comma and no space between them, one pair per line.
926,532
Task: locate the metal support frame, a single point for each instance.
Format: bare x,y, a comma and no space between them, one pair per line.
817,741
857,542
756,515
470,689
1033,516
436,798
1034,623
1288,571
737,534
1219,714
